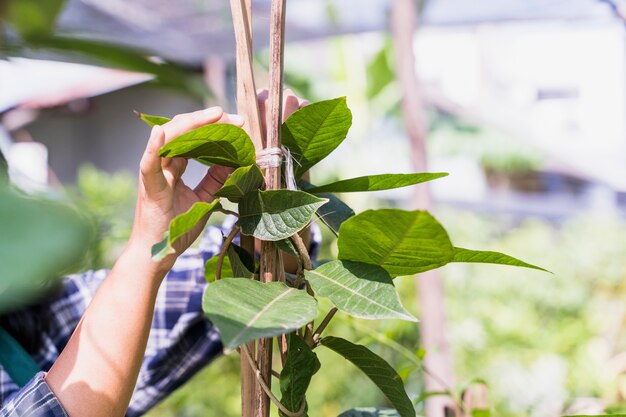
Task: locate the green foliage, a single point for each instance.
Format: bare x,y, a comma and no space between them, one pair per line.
4,170
374,247
245,309
33,17
495,150
242,263
380,73
377,369
402,242
221,144
333,213
314,131
359,289
210,268
286,246
241,182
108,201
152,120
41,240
181,225
35,20
488,257
375,183
300,366
276,214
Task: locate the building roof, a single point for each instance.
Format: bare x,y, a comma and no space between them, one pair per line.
188,31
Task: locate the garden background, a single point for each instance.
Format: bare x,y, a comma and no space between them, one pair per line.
525,103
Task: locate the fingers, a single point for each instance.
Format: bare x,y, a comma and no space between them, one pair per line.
232,119
150,169
212,181
185,122
291,103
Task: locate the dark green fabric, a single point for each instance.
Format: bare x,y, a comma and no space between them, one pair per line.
15,360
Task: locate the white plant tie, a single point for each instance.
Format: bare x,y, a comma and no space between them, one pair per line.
290,178
269,158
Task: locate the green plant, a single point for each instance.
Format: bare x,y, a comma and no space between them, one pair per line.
34,228
375,247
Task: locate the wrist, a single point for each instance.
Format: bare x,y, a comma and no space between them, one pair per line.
138,255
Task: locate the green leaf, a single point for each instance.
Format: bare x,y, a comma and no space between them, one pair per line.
33,17
182,224
219,143
370,412
241,182
245,309
402,242
359,289
276,214
242,264
488,257
210,268
152,120
481,412
314,131
4,171
287,246
75,49
379,73
333,213
237,264
300,366
375,183
377,369
41,241
426,395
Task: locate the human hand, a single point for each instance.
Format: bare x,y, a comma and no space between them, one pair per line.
291,103
162,194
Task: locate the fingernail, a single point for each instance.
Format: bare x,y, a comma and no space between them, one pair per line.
213,111
236,119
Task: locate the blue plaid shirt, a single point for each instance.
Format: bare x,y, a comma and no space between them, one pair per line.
182,340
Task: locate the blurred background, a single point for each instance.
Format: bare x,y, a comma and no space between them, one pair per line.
523,102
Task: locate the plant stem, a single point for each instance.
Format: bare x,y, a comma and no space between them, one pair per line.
302,250
225,246
226,211
317,333
267,389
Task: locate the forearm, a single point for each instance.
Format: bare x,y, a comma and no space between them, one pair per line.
96,373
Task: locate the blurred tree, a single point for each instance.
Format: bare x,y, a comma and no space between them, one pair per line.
438,359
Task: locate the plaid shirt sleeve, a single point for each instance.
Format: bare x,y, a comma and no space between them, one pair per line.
34,400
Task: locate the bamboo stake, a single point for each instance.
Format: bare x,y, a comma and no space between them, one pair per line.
247,106
271,261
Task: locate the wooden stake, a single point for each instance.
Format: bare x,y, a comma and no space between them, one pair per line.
271,261
247,106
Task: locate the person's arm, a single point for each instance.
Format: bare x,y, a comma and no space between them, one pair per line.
96,373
